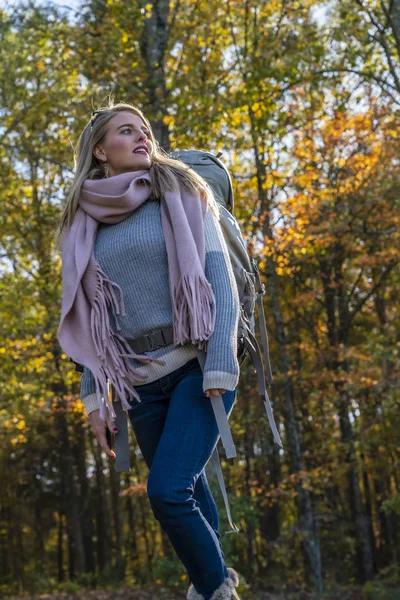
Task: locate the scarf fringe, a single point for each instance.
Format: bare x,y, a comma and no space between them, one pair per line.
107,286
122,392
112,349
194,311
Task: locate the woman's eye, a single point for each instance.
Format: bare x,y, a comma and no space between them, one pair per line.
146,132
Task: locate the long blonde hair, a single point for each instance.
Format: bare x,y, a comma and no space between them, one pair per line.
166,173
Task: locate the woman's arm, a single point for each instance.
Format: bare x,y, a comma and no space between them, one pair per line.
88,391
221,370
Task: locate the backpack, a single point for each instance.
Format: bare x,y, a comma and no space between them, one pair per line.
250,290
245,269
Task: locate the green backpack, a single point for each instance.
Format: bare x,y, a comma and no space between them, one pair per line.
250,290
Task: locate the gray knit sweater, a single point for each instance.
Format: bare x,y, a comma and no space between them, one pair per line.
133,254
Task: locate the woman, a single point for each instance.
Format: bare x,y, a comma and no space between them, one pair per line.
146,226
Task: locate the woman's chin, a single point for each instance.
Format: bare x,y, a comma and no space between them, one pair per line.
141,162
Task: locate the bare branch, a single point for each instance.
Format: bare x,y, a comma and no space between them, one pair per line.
361,303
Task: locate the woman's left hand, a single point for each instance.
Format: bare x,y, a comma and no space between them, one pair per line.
214,392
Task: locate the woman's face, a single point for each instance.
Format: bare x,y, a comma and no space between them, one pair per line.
126,146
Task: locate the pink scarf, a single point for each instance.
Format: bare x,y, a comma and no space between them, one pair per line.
84,332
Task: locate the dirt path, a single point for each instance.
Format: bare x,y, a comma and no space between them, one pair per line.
120,594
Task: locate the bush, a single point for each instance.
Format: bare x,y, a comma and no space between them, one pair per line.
168,572
385,587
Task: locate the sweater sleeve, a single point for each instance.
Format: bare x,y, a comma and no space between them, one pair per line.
88,391
221,368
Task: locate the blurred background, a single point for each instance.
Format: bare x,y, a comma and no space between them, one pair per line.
303,99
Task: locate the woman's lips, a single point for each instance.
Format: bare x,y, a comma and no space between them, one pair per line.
141,150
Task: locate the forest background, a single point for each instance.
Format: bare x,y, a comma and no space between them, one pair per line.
303,98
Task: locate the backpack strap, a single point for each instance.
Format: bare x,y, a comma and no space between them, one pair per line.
255,353
260,289
216,465
220,415
226,439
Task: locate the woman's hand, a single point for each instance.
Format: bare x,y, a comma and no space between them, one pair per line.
99,430
214,392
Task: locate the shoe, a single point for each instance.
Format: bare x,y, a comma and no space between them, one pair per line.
225,591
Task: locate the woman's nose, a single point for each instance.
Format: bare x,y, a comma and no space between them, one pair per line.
141,136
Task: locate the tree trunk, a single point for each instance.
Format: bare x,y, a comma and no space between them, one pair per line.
395,23
387,548
71,501
39,537
117,518
85,494
153,45
338,333
145,528
60,549
167,548
270,522
368,509
307,521
102,512
132,549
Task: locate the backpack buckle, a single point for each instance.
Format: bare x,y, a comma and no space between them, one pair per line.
261,287
154,340
150,341
255,265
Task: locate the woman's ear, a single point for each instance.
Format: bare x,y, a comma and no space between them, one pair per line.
99,153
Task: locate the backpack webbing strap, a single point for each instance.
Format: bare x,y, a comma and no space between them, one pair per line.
264,337
220,415
216,465
255,353
261,319
226,439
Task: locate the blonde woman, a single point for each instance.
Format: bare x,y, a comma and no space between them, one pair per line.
147,280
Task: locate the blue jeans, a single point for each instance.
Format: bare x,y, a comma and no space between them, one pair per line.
176,430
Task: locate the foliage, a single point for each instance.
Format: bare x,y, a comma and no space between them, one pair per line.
303,98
